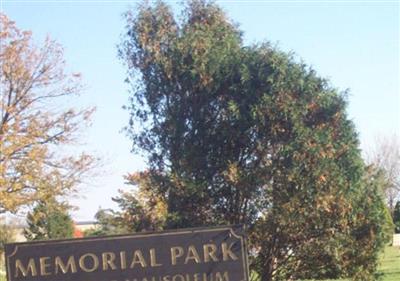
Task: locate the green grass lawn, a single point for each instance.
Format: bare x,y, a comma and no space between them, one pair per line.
390,264
389,268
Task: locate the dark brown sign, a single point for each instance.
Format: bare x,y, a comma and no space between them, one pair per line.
201,254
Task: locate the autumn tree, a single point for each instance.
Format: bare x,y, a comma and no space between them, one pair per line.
386,156
34,127
139,210
142,210
248,134
49,220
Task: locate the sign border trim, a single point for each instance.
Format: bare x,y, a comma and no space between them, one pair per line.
143,235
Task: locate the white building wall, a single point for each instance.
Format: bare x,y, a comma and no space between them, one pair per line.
396,240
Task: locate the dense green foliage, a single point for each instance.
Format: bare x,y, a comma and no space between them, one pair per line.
396,217
49,220
106,224
7,235
371,227
141,211
247,134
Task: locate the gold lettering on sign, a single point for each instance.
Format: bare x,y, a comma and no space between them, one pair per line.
227,252
153,258
209,252
82,263
138,258
192,255
224,277
181,277
176,252
44,265
183,255
19,267
122,255
108,261
196,276
70,266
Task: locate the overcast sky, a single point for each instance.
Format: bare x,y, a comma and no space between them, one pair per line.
355,44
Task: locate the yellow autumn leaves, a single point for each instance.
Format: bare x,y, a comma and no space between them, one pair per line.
33,126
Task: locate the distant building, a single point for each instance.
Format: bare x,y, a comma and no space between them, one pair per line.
396,240
80,228
86,225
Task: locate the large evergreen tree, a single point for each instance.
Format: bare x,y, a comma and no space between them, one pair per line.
49,220
246,134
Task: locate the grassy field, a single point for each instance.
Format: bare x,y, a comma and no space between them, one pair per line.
390,265
389,268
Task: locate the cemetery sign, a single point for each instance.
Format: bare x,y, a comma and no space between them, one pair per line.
200,254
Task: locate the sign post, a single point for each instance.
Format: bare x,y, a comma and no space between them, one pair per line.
199,254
